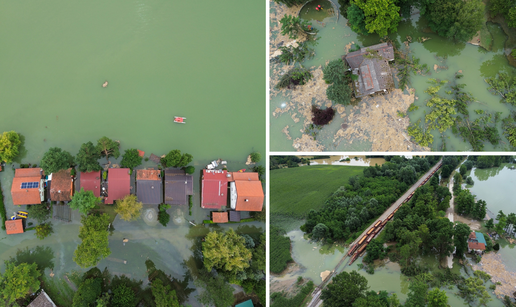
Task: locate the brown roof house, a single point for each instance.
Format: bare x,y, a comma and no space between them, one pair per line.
149,186
371,65
61,187
219,217
42,300
246,192
178,185
119,184
14,226
28,186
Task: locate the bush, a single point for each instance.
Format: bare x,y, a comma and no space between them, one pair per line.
295,76
496,247
104,175
256,157
190,204
163,216
131,159
322,117
189,170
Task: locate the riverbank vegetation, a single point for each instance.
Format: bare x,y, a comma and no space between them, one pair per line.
279,300
279,250
355,205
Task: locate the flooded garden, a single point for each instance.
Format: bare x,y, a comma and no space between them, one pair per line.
381,122
124,69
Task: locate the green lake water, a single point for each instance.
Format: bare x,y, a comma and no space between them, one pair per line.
201,60
475,62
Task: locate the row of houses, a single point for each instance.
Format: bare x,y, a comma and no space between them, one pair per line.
29,186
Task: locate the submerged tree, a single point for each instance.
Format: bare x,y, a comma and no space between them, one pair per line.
381,16
335,74
175,159
44,230
345,289
295,26
131,159
18,281
87,158
108,148
9,146
322,117
95,245
295,76
84,201
56,159
225,251
129,208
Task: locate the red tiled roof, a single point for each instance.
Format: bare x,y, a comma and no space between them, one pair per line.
476,245
141,153
119,184
250,195
13,226
214,189
245,176
91,182
220,217
61,186
148,174
26,196
473,235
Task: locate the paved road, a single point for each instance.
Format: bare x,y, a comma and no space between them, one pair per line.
450,212
400,200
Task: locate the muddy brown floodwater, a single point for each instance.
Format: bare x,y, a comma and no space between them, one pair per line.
492,264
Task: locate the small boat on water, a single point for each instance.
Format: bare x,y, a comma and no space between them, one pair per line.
179,120
242,170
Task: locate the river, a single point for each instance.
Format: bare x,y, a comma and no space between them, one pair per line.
475,62
198,59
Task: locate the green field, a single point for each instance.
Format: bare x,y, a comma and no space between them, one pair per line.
294,191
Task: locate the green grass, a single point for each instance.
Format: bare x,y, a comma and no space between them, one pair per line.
279,300
294,191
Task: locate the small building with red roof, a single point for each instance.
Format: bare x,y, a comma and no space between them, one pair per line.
90,181
149,186
219,217
119,184
476,242
214,189
28,187
61,188
246,192
14,226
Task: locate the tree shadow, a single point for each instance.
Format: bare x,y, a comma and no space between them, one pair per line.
42,256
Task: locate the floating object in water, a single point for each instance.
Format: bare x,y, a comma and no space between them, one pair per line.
105,84
242,170
179,120
283,105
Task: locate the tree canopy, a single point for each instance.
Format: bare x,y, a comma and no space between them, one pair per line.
87,158
84,201
131,159
175,159
294,26
44,230
56,159
108,148
19,281
95,245
225,251
460,238
9,146
40,212
129,208
344,289
381,16
216,291
335,74
163,295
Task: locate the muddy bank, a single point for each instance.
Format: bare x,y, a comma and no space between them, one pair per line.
492,264
376,120
286,281
473,224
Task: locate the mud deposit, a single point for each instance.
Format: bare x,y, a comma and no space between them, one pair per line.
492,264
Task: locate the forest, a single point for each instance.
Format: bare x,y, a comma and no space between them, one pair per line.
355,205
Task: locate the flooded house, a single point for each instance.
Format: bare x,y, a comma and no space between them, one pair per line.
371,66
14,226
219,217
61,186
246,192
119,184
214,187
149,186
28,186
42,300
178,186
476,242
90,181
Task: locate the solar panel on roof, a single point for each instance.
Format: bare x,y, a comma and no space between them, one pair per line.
29,185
